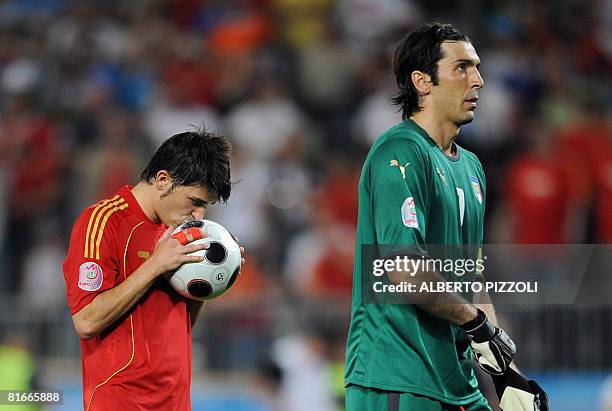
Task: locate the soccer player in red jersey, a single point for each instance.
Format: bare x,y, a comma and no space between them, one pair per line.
135,330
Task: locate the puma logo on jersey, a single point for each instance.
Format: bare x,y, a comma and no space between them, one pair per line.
402,169
441,174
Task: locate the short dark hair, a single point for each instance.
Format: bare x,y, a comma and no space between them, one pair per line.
420,50
197,158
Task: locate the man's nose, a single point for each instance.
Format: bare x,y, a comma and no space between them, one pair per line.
199,213
477,80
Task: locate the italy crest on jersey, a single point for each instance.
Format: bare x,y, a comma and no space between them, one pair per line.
476,188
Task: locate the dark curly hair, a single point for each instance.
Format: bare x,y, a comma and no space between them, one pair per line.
196,158
419,50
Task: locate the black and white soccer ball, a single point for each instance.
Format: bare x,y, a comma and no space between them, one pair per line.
218,271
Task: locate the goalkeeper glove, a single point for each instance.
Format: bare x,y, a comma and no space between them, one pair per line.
492,346
516,393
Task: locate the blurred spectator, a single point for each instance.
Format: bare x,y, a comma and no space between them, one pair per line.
287,195
40,289
29,146
115,160
242,31
586,145
268,378
332,274
376,113
241,320
263,124
5,276
307,379
536,187
603,194
17,368
246,213
327,74
366,22
302,22
183,99
319,260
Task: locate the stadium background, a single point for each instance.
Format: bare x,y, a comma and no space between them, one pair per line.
89,89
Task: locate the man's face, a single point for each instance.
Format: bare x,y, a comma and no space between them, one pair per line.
182,203
454,97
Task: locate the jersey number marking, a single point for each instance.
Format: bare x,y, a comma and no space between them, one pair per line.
461,197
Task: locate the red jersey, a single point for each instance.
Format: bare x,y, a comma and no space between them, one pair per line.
538,200
603,196
143,360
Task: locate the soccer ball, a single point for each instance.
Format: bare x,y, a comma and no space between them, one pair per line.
218,271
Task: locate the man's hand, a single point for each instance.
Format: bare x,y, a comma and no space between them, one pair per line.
170,254
236,239
492,347
516,393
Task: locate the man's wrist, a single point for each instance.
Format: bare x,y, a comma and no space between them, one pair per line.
480,329
479,318
151,269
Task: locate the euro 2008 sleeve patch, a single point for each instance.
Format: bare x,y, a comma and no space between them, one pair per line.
90,276
409,215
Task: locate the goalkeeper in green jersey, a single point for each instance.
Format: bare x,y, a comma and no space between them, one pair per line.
418,189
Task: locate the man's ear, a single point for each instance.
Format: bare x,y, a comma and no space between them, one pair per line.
422,82
163,181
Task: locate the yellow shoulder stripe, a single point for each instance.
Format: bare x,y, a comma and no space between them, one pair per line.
92,217
97,222
104,220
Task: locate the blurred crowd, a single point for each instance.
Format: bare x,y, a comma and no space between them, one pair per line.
302,88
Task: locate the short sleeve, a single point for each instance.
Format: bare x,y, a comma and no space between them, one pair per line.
398,183
91,266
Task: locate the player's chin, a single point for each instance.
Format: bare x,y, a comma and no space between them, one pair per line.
468,117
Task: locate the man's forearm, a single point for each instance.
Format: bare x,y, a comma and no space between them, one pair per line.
448,306
457,313
110,305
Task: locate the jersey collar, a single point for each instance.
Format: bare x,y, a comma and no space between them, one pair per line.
431,141
126,193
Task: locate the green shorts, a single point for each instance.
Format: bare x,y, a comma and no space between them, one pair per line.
360,398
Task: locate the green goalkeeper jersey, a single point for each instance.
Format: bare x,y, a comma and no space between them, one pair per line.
411,194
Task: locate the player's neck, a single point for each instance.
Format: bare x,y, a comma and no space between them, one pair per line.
443,133
144,194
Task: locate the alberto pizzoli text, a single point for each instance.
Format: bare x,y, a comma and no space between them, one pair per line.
458,287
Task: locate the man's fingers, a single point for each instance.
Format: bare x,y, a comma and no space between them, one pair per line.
167,233
190,248
189,235
193,259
